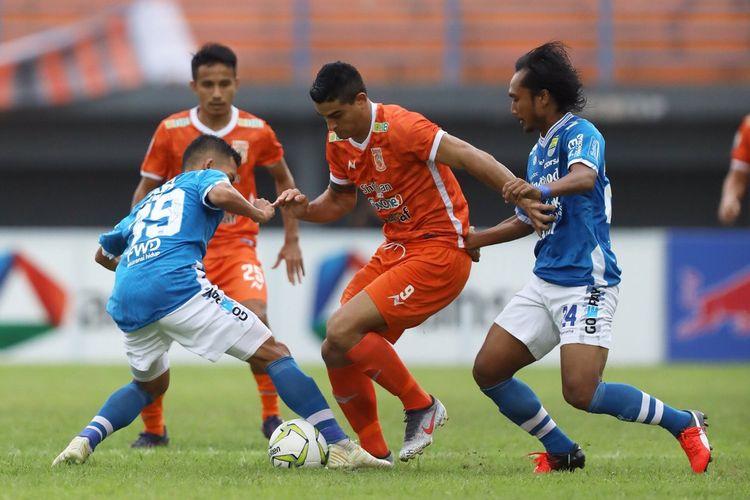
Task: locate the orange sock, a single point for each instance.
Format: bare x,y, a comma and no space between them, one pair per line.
376,357
269,398
153,416
355,394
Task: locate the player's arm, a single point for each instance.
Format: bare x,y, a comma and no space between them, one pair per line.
290,252
732,193
510,229
334,203
580,179
482,165
226,197
145,186
105,261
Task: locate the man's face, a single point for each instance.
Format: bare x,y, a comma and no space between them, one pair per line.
215,86
347,120
523,105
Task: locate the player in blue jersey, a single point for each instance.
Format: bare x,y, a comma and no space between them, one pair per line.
161,295
573,294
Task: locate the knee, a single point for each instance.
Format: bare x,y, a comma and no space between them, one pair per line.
486,372
578,395
338,333
156,387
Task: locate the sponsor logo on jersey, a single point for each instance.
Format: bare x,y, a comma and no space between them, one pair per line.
552,146
177,122
250,122
143,251
386,203
594,149
377,158
242,147
374,187
402,216
380,127
352,164
575,146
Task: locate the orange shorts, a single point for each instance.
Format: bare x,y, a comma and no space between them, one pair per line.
409,283
239,273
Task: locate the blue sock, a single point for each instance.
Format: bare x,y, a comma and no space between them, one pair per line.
118,411
518,402
633,405
301,394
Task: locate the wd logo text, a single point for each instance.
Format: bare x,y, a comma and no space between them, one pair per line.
142,251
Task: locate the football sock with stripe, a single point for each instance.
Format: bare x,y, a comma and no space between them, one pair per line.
355,394
269,398
377,358
633,405
122,407
153,416
302,395
518,402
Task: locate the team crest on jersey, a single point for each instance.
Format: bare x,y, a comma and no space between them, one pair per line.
242,147
379,127
552,146
332,137
377,157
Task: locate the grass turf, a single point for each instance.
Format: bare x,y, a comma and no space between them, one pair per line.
217,450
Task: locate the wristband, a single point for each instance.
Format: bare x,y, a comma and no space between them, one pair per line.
545,191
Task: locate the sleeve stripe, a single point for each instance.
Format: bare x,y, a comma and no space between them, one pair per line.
149,175
204,198
589,164
436,144
341,182
739,165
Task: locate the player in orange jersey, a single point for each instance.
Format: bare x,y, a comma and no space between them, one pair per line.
400,161
231,261
736,181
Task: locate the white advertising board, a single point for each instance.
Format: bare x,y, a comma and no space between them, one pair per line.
453,336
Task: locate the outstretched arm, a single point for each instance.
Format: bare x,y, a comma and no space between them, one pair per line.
226,197
334,203
482,165
290,252
510,229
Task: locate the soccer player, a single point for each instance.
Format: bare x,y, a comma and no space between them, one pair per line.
401,162
161,295
735,183
573,294
231,261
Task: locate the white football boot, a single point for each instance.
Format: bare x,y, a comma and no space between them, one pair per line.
77,452
351,456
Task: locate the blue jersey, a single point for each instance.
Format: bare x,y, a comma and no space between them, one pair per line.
162,243
576,250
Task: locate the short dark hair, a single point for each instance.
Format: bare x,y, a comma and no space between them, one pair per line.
548,67
213,53
208,144
337,81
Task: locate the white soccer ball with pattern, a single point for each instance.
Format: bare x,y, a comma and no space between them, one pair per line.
297,443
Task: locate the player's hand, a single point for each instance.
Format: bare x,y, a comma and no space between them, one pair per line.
729,210
294,200
472,249
292,255
265,210
541,214
518,188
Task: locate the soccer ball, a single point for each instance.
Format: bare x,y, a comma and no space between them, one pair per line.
297,443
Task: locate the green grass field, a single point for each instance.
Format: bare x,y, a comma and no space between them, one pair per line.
217,450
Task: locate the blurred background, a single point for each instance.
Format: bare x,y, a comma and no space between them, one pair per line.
84,83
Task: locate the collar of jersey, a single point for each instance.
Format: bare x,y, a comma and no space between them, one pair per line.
363,145
554,128
218,133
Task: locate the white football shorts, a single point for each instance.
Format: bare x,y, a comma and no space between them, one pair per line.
543,315
209,325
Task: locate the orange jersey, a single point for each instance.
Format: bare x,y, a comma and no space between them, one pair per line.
415,196
246,133
741,147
